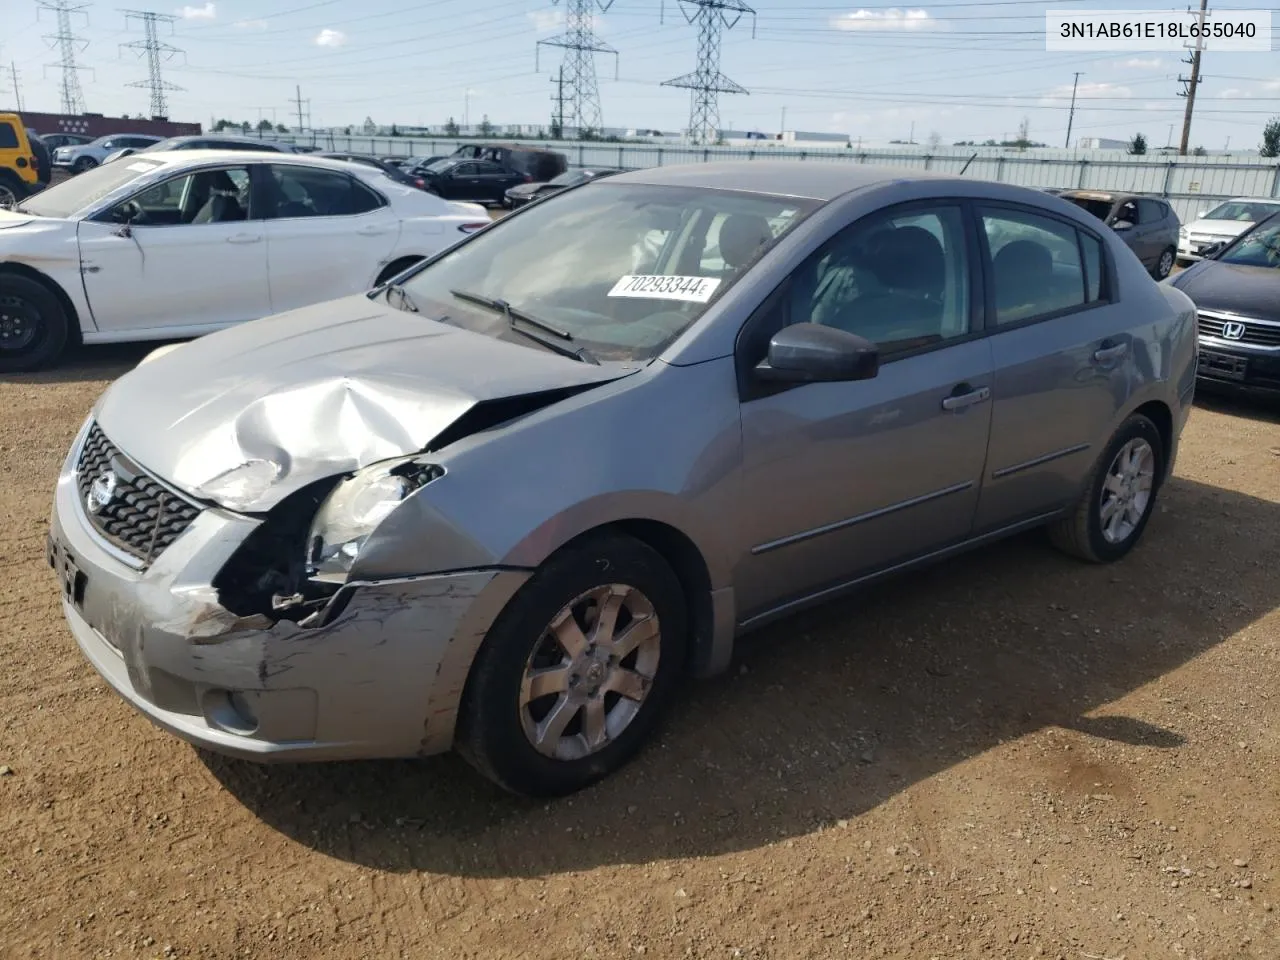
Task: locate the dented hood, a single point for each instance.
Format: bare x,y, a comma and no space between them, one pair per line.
248,415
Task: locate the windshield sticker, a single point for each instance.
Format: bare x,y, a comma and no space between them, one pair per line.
690,289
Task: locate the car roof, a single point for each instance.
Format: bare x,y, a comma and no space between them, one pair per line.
813,180
175,158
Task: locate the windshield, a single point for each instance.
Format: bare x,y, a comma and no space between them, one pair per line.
70,196
1244,210
623,269
1260,248
1099,208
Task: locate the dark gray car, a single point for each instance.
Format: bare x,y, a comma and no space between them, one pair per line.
506,501
1148,225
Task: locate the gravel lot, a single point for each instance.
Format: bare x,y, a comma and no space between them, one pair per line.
1011,755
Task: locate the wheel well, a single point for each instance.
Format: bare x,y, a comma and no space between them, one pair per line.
394,267
1159,414
687,563
73,317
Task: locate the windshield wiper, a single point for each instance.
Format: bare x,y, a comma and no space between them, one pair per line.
512,315
406,301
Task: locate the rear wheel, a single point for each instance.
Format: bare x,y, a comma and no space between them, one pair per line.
11,190
574,675
33,325
1164,266
1111,514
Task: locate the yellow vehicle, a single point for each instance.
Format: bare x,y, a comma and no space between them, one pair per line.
19,168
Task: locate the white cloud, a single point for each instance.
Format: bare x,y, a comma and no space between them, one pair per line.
1085,90
330,38
1271,85
892,19
207,12
1143,63
1235,93
544,21
250,24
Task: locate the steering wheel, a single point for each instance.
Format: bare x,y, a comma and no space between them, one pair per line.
131,212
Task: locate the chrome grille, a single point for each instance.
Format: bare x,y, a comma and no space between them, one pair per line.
1255,333
142,517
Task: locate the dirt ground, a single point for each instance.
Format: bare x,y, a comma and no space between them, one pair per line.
1012,755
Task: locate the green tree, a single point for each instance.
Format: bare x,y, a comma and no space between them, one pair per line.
281,128
395,131
1270,146
264,126
1199,152
1138,145
451,128
486,128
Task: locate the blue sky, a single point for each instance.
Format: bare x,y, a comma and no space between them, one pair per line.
962,70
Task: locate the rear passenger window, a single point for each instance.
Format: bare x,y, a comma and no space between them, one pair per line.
363,200
306,192
8,136
1151,210
1035,265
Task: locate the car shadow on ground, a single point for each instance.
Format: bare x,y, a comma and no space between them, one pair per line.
1250,406
829,714
86,363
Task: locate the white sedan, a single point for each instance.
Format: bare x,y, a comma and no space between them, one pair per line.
175,245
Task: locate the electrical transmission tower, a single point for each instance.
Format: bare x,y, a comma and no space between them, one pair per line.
580,45
712,17
67,43
154,50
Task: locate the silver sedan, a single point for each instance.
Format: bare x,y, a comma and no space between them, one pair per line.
505,501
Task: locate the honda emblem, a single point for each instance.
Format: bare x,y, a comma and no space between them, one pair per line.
1232,330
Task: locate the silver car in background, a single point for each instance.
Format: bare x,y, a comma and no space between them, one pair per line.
505,501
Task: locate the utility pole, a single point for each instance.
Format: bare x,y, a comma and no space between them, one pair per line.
783,127
297,101
17,92
1072,115
911,137
1168,141
152,49
557,118
67,43
1189,88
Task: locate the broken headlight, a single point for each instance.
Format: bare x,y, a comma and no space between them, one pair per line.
355,508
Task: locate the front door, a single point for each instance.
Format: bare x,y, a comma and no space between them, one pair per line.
184,253
1062,372
327,235
842,479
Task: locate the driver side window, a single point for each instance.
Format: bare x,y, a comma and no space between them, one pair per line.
205,196
898,278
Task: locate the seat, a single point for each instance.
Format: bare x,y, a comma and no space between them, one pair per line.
741,237
222,205
1024,279
910,268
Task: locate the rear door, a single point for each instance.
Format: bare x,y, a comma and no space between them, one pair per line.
495,180
1064,360
327,234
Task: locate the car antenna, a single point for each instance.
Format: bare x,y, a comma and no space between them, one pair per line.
967,162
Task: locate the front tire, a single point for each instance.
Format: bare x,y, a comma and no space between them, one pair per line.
1164,266
576,671
83,164
33,325
1118,500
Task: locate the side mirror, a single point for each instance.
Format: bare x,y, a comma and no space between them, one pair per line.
812,353
1211,251
1120,225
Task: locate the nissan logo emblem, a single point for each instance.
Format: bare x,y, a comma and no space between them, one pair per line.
101,491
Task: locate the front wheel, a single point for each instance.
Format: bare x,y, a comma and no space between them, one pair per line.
33,325
1111,514
83,164
1164,266
574,674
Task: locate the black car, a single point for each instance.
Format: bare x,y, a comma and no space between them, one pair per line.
385,165
524,193
480,181
541,165
1236,290
1148,225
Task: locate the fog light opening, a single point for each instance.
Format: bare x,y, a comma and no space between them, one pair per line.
231,711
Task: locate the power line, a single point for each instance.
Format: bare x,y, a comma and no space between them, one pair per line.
580,45
706,82
67,43
154,50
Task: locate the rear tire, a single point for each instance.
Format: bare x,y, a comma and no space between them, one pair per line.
1119,498
33,325
557,698
12,190
1164,266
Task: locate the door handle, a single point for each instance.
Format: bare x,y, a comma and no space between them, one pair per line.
244,238
371,231
958,401
1109,352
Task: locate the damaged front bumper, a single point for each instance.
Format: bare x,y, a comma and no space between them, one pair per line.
381,673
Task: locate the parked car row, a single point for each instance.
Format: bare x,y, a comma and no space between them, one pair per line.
362,528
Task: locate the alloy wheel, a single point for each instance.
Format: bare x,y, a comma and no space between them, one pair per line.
8,198
1126,491
1165,265
590,672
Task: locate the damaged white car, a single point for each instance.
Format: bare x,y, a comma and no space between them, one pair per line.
179,244
506,501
